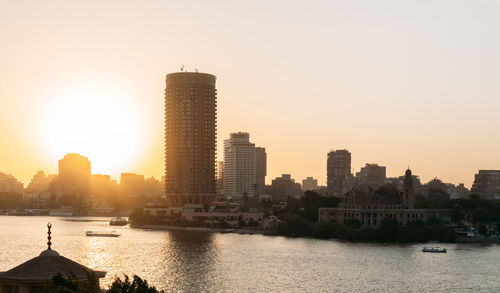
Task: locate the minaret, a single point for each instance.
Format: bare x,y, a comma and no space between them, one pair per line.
408,191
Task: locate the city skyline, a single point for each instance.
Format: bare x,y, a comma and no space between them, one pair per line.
301,88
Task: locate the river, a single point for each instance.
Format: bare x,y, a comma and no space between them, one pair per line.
179,261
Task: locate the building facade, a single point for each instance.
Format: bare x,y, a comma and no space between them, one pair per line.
370,208
338,170
239,166
260,170
190,138
284,187
309,184
9,184
372,175
487,184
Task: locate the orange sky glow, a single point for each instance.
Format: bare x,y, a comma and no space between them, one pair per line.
398,83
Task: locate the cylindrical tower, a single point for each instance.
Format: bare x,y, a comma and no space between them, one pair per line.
190,138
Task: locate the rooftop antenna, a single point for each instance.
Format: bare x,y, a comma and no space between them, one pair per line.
49,225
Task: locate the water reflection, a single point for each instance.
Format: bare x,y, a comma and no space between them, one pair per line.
191,257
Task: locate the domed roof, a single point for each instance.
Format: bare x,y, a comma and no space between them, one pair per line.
48,264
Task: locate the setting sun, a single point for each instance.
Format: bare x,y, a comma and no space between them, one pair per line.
97,122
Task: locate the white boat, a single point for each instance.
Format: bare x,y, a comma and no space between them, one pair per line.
102,233
434,249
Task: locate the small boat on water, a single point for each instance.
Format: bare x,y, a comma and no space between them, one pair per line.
102,233
118,222
434,249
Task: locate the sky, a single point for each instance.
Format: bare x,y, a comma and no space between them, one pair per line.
398,83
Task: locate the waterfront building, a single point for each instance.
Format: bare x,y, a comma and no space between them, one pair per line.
190,138
338,169
284,187
309,184
372,175
9,184
35,275
39,200
487,184
260,170
370,208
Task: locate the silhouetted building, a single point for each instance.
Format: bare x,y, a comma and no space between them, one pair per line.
190,138
40,183
458,191
338,169
73,178
132,185
260,170
487,184
309,184
370,208
284,187
9,184
372,175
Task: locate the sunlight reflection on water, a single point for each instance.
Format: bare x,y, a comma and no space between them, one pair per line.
205,262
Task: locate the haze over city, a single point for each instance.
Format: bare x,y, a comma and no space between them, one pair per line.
397,83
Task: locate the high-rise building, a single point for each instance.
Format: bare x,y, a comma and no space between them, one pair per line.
338,169
239,166
487,184
260,170
190,138
309,184
132,185
372,175
9,184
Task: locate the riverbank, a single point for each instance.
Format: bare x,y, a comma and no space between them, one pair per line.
204,229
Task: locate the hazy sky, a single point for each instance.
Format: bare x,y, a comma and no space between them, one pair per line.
397,83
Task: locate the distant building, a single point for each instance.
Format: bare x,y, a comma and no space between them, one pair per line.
74,176
284,187
239,166
9,184
244,167
190,138
458,191
260,170
40,200
370,208
309,184
487,184
40,182
338,169
132,185
372,175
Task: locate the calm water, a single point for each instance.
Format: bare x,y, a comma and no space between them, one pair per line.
206,262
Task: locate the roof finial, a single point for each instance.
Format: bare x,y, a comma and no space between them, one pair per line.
49,225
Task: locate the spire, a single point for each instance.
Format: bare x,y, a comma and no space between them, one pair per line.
49,225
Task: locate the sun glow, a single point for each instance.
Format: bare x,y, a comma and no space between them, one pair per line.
99,123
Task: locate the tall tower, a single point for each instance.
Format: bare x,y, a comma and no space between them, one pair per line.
408,191
260,170
190,138
338,169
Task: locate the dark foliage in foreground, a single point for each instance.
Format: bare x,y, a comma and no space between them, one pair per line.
136,285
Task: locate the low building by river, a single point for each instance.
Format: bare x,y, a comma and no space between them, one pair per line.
371,207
